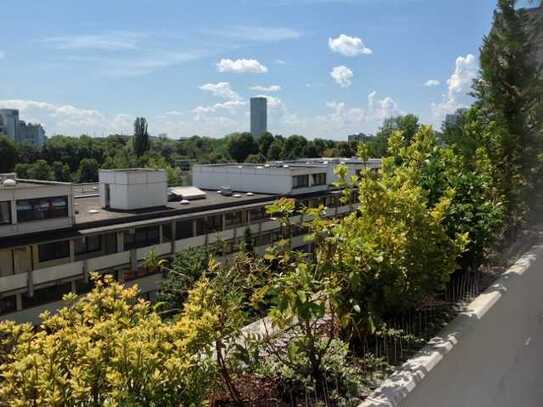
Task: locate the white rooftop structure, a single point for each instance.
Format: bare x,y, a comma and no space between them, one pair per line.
135,188
279,177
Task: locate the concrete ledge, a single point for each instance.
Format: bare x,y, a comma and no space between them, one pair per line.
470,363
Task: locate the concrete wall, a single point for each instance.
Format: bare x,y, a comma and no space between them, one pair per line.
490,356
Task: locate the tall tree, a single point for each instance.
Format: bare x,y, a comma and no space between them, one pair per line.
8,152
241,145
509,93
88,170
141,140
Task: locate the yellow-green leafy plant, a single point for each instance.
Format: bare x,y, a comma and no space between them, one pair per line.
106,349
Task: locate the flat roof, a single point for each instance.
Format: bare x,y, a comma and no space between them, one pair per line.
89,210
29,183
104,221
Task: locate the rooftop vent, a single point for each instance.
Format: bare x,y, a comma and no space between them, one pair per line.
184,202
9,183
249,194
237,195
226,191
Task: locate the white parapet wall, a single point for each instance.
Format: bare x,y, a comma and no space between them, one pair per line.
491,355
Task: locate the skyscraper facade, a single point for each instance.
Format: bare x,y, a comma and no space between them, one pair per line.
259,116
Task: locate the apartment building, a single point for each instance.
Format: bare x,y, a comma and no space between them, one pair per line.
52,237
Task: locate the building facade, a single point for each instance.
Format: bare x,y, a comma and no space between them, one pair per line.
20,131
259,116
52,238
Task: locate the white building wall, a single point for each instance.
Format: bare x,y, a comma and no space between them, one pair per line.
134,189
258,179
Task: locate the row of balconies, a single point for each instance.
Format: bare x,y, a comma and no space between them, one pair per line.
81,268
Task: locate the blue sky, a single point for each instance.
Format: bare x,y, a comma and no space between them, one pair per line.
328,67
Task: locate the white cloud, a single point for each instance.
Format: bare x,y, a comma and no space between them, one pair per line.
221,89
256,33
459,84
431,83
342,75
230,106
69,119
342,119
241,66
280,62
273,102
464,73
113,41
271,88
348,46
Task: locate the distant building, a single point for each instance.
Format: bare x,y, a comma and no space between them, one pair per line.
358,138
259,116
18,130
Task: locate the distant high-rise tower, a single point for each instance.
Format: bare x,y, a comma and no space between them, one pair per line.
259,116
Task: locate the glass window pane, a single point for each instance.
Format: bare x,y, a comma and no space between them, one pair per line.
5,213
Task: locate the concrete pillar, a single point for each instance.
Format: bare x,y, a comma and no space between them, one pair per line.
85,271
14,212
133,259
19,302
173,228
73,286
72,249
120,242
194,228
30,283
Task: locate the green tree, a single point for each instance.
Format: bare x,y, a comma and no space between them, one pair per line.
186,269
509,94
140,140
407,124
241,145
22,170
41,170
8,152
61,172
275,150
293,147
264,143
88,170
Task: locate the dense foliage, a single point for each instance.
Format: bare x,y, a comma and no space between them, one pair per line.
436,208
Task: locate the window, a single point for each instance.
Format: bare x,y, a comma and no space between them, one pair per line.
142,237
300,181
88,244
5,213
257,214
319,179
234,219
214,223
42,208
46,295
53,251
